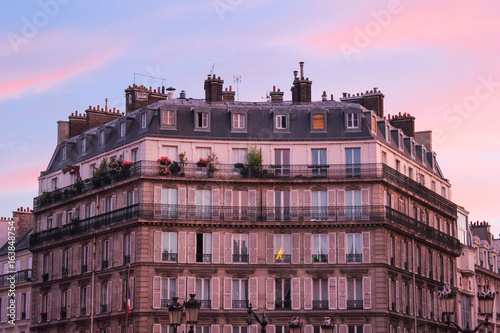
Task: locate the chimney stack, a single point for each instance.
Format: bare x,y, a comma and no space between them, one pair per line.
182,95
276,96
170,93
139,96
213,89
405,122
324,97
228,95
301,89
372,100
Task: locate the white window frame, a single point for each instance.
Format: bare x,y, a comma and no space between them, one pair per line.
279,119
239,121
144,120
123,129
352,120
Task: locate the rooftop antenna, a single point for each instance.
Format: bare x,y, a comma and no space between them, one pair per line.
237,80
153,77
212,70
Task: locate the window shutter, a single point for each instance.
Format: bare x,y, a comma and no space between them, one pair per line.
389,292
252,205
4,313
182,255
78,301
227,329
332,293
89,291
296,293
191,285
254,328
98,299
119,295
403,297
332,248
82,212
340,205
270,205
191,202
307,199
411,298
397,295
393,203
28,304
331,203
50,268
124,198
296,248
110,292
63,218
308,329
181,288
228,238
214,329
271,329
294,200
342,290
436,307
132,246
228,286
119,260
215,204
252,244
215,247
270,248
110,252
429,304
424,302
157,200
157,241
156,292
389,249
58,263
365,204
307,293
366,247
98,250
341,246
342,328
215,288
191,247
403,254
228,204
157,328
18,305
367,328
253,292
307,248
367,292
181,201
270,292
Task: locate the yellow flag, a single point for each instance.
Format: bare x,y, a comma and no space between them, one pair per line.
280,254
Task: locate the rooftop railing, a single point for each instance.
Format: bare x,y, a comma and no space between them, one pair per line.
228,171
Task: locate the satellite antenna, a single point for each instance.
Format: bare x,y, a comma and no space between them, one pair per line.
237,80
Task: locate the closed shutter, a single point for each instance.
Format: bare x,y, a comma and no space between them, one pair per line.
28,304
253,248
365,204
366,247
40,300
157,328
270,248
157,245
307,248
98,250
397,295
332,248
70,261
389,292
308,329
215,247
58,258
271,329
214,329
228,257
191,247
270,292
307,293
270,205
294,200
367,293
89,291
403,255
429,304
340,205
215,204
110,293
181,201
119,260
181,289
342,297
411,298
296,248
341,247
332,293
182,255
342,328
252,205
156,292
215,288
157,200
119,295
98,299
403,296
82,212
191,203
424,302
78,301
191,285
307,198
51,268
228,286
388,243
227,329
253,292
296,293
18,306
132,247
367,328
331,203
228,205
111,251
254,328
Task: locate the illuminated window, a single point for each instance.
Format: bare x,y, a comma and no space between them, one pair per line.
318,121
168,118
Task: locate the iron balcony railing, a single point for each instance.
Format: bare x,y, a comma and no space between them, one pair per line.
203,257
220,213
167,256
282,258
320,257
240,304
353,257
205,304
283,305
354,304
320,305
191,170
240,257
19,277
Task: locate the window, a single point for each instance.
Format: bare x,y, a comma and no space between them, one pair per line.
240,294
410,173
283,294
353,162
169,203
239,121
45,308
204,204
47,263
443,191
282,248
320,294
392,246
354,293
89,210
50,222
353,204
320,248
126,248
412,148
105,297
354,248
168,290
202,120
240,248
65,263
85,259
25,305
101,137
387,133
352,120
83,145
418,259
400,143
168,118
203,293
281,121
239,157
384,157
240,329
144,120
319,205
202,152
110,204
355,329
204,247
63,153
135,155
318,158
419,301
202,329
83,300
53,184
398,165
465,306
318,121
406,298
282,161
240,205
105,254
374,124
170,152
393,292
282,329
123,127
169,246
282,205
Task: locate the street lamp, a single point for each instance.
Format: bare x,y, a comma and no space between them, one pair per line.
295,325
175,313
262,320
192,310
485,298
327,326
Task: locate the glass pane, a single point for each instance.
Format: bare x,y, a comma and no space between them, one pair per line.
324,244
350,245
207,243
358,243
324,289
236,289
286,244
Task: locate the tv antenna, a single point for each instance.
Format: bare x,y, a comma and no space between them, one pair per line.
237,80
212,70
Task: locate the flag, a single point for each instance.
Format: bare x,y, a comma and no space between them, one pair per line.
128,299
280,254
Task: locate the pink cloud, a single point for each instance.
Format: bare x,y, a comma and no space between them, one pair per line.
20,178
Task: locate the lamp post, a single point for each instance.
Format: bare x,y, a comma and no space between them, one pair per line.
262,320
485,298
175,312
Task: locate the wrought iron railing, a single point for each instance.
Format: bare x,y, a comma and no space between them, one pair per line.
104,308
167,256
83,311
353,257
19,277
240,257
63,313
105,264
206,304
191,170
203,257
283,305
126,259
240,304
320,305
283,258
354,304
165,302
43,317
320,257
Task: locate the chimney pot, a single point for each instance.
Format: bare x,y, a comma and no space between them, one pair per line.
301,70
331,97
230,88
278,89
344,94
274,88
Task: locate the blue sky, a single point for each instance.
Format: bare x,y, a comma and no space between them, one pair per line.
436,61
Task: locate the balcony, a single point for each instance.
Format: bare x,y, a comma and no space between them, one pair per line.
43,317
165,302
283,305
240,304
205,304
202,257
226,171
167,256
126,259
240,257
83,311
283,258
19,277
320,304
320,257
23,315
104,308
353,257
105,264
45,277
354,304
63,313
64,271
85,268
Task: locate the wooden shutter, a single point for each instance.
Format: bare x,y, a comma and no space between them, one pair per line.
28,304
119,295
252,205
389,249
403,254
98,299
110,293
342,328
88,300
389,292
270,292
228,286
367,292
228,249
191,203
403,297
119,250
331,203
215,204
296,248
181,244
424,302
253,292
340,205
50,268
341,247
82,212
157,245
157,200
294,200
296,293
4,313
398,288
132,247
182,288
332,293
308,293
132,292
227,329
228,204
98,250
110,252
365,204
270,205
308,239
157,328
214,329
78,301
307,199
252,248
411,298
58,305
215,247
181,201
367,328
366,247
191,247
270,248
215,288
342,293
191,285
332,248
18,306
156,292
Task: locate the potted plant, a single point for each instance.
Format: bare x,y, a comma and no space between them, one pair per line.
212,163
164,165
78,186
202,162
182,162
125,169
100,175
174,168
243,168
254,158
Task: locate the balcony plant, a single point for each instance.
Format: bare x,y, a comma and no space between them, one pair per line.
202,162
254,158
182,161
212,163
46,197
78,186
100,175
243,169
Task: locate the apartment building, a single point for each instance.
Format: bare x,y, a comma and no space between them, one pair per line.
299,208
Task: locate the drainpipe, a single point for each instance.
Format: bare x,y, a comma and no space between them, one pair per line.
414,285
93,288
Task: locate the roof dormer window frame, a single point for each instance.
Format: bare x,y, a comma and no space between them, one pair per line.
123,129
83,144
387,132
401,140
101,136
64,152
239,117
315,120
281,121
144,120
168,119
352,120
202,120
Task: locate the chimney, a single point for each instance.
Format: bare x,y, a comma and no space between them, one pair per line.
482,230
228,95
170,93
405,122
62,131
324,97
213,89
97,117
301,89
372,100
425,138
77,124
139,96
182,95
24,221
276,96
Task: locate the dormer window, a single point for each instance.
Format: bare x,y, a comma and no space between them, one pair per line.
83,145
123,129
101,137
168,118
239,121
412,148
400,143
318,121
424,156
144,118
387,133
374,124
63,153
202,120
352,120
281,121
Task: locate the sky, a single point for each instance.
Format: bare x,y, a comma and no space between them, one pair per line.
435,60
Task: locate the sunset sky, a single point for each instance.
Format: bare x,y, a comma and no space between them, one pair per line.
438,61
